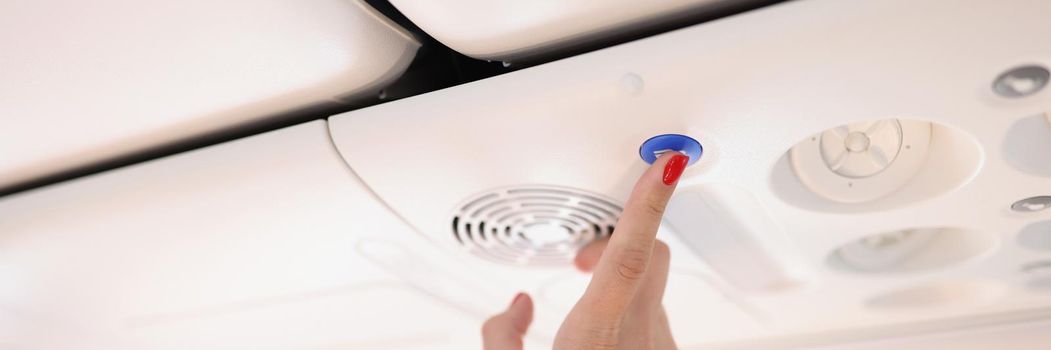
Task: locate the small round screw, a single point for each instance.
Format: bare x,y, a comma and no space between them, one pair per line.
1021,81
632,84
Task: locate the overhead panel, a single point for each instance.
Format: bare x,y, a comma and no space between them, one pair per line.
868,167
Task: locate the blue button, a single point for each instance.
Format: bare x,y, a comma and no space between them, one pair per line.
660,144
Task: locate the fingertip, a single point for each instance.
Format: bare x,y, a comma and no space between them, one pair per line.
661,248
663,175
588,256
674,168
582,265
521,300
661,254
505,330
517,297
521,312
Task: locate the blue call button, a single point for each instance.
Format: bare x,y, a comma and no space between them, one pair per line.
660,144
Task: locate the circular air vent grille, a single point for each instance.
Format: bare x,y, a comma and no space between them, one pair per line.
533,225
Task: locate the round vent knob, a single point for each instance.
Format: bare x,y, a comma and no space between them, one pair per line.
862,162
862,149
533,225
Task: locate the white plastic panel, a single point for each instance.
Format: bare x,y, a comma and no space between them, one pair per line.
1023,336
270,243
751,87
264,243
89,81
512,29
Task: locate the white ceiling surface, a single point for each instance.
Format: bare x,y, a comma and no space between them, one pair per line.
88,81
750,87
1024,336
512,29
263,243
269,242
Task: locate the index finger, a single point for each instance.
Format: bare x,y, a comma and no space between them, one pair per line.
625,260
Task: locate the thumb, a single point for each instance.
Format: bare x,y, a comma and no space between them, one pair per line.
504,331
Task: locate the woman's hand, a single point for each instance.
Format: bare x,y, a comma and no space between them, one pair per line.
621,308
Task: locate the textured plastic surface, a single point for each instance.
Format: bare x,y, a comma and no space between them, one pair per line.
89,81
751,87
512,29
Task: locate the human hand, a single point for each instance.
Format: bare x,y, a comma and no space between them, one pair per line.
621,308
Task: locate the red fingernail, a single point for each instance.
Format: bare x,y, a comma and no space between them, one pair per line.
674,168
515,300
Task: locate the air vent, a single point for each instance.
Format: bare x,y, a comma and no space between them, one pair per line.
533,225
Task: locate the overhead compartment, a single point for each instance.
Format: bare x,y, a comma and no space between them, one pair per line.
511,30
85,82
